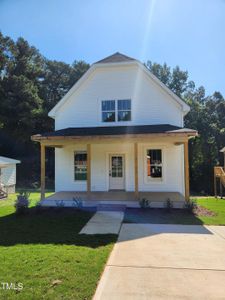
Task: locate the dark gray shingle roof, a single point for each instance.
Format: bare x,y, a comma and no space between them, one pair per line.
114,58
118,130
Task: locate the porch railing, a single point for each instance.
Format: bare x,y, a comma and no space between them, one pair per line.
219,173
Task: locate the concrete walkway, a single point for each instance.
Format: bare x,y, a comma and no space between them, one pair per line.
104,222
152,261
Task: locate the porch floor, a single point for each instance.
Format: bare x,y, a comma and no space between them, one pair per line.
157,199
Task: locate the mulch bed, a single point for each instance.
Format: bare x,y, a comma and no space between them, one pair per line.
202,211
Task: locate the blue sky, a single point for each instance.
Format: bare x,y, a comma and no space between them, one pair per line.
188,33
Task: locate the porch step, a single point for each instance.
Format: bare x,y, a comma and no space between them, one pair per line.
111,207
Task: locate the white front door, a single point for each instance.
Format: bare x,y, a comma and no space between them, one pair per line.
116,172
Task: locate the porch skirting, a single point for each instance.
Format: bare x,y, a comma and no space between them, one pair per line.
93,199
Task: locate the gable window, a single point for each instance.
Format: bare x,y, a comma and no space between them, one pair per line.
80,165
108,111
116,110
124,110
154,163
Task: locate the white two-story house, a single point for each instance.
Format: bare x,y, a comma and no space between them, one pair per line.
119,136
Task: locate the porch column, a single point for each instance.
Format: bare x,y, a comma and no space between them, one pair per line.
186,171
42,172
136,170
88,168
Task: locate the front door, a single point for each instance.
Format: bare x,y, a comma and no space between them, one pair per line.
116,172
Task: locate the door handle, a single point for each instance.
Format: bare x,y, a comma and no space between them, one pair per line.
110,173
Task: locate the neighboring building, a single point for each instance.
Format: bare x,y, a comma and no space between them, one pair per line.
8,174
119,129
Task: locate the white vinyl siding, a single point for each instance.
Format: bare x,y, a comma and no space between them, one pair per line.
8,175
150,103
173,172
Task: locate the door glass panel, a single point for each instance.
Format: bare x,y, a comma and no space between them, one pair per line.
117,166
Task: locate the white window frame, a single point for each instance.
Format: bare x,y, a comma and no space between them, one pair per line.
148,179
116,111
119,110
78,152
108,111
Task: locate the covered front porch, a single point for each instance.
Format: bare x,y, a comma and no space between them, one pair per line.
130,147
128,199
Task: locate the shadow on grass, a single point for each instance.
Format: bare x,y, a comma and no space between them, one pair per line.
161,216
50,226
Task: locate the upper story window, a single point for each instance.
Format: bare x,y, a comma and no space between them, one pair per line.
154,163
108,111
116,110
124,110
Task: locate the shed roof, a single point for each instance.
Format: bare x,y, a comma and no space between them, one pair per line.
116,130
4,161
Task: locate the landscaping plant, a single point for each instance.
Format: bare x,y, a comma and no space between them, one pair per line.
22,203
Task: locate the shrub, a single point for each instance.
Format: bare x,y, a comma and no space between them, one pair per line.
168,205
77,202
144,203
60,204
22,203
190,206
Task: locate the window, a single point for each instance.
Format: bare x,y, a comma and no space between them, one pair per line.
124,110
108,111
154,163
116,111
80,166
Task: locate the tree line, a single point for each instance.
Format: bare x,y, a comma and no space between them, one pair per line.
31,85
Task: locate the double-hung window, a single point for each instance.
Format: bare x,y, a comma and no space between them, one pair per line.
80,165
154,163
116,110
124,110
108,111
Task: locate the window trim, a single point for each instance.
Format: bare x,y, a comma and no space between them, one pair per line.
151,180
116,111
74,153
108,111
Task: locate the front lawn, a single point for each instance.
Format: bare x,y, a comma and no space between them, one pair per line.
44,252
179,216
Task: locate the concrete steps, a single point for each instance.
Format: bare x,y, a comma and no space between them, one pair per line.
111,207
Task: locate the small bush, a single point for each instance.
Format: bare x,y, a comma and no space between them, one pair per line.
168,205
77,202
144,203
60,204
22,203
190,206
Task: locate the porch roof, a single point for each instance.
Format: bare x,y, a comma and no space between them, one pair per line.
116,131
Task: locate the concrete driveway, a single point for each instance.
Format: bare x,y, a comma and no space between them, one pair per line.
152,261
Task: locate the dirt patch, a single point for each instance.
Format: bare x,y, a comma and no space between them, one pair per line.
202,211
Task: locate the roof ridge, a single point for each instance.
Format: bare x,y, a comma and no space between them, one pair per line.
115,58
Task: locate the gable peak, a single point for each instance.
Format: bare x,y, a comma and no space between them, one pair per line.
117,57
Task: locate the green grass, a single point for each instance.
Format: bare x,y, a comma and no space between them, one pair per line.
216,205
38,248
179,216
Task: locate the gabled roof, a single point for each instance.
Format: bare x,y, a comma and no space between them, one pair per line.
115,58
222,150
4,161
116,130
